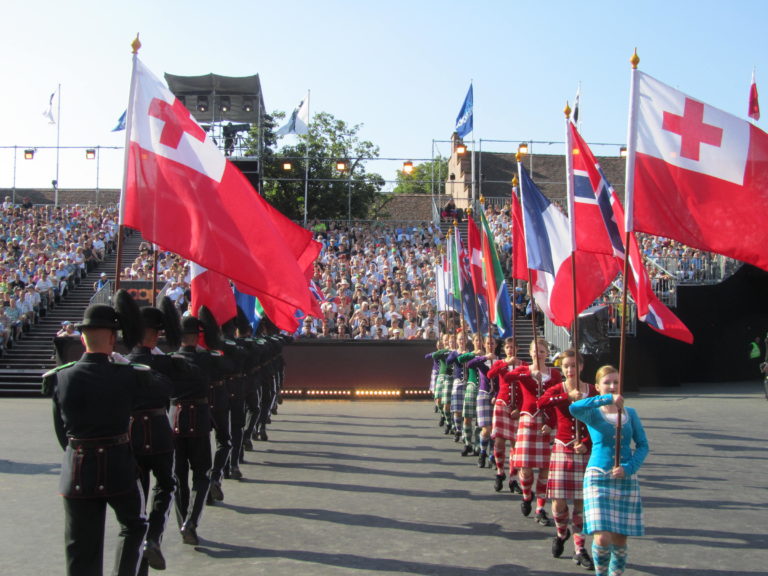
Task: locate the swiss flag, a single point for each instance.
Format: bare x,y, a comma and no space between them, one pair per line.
697,174
474,244
183,194
212,290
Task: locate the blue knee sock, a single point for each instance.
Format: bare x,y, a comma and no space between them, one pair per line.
601,556
618,561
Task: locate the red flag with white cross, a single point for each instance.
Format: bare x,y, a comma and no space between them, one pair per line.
183,194
696,174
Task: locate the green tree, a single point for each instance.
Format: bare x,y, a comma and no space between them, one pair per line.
419,181
331,193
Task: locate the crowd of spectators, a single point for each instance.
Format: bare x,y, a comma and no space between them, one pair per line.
377,280
44,252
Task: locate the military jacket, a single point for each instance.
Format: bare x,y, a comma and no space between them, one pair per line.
92,403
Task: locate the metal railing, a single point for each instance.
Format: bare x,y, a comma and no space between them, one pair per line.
103,295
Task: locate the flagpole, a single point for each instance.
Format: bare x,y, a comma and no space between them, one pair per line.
135,46
58,148
571,221
306,163
519,157
629,225
477,307
485,264
512,260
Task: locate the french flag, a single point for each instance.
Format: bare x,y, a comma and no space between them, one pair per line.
549,253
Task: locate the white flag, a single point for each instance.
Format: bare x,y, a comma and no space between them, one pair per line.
48,112
298,123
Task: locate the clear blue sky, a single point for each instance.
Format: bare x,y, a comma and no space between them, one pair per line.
400,68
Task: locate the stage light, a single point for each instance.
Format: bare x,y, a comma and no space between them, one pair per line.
341,166
29,154
224,104
408,167
287,166
523,148
202,103
461,149
623,152
90,154
247,105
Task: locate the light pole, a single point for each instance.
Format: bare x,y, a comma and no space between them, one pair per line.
342,166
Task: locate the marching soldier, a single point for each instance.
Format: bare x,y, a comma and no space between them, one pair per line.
93,399
151,433
191,422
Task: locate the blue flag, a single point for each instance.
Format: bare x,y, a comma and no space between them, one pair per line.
120,123
464,119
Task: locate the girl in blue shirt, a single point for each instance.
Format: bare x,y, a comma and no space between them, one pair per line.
612,506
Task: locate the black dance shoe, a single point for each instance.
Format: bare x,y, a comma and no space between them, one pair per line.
499,482
526,506
582,558
543,519
558,544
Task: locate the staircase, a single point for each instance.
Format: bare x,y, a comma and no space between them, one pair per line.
22,366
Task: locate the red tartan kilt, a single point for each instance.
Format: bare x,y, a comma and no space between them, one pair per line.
566,473
532,448
504,425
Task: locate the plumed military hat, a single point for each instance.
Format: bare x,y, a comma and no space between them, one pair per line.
99,316
191,325
153,318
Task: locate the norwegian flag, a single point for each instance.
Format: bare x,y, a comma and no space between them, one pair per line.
599,227
182,193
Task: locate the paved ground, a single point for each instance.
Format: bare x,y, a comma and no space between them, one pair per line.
375,488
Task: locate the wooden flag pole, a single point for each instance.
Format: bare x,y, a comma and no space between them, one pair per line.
570,193
628,191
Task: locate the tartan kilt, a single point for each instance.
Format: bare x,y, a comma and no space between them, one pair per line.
457,395
566,473
445,396
612,504
504,425
469,410
483,409
532,448
439,386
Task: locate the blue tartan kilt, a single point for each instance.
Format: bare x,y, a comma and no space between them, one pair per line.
484,412
470,401
457,395
612,504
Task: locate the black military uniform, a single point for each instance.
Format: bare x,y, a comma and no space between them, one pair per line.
238,387
92,401
191,423
152,437
257,384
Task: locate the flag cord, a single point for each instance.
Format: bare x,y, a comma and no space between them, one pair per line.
622,346
154,275
535,359
575,338
119,258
